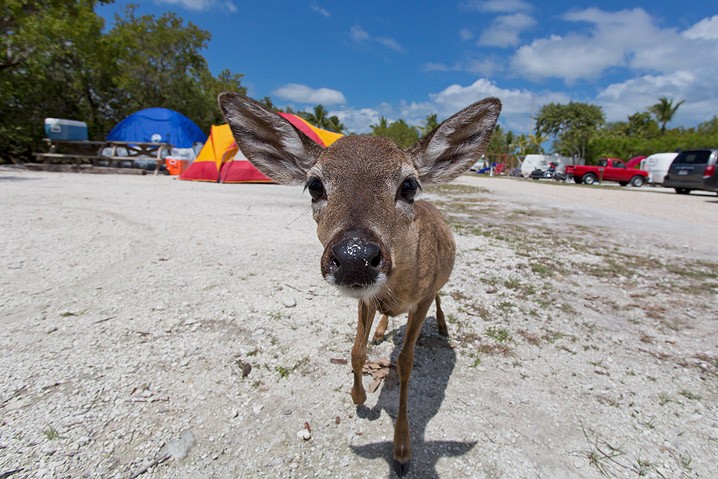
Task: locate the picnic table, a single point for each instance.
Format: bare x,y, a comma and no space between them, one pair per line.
96,152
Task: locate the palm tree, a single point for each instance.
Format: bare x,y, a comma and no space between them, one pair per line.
429,124
664,111
381,128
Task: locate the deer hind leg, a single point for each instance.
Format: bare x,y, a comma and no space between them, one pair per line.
440,321
381,329
366,318
405,363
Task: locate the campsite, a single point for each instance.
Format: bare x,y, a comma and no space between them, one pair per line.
138,308
168,310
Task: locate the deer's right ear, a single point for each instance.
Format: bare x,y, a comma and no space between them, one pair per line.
270,142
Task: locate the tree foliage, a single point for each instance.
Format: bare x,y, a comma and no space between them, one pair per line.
399,131
58,61
572,126
320,118
664,111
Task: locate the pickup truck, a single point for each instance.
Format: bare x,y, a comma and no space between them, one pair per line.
607,169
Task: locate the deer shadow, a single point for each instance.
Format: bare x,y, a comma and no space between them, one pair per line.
434,361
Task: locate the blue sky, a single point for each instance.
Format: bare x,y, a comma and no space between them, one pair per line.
409,59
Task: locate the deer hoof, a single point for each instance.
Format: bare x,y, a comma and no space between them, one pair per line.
401,468
358,396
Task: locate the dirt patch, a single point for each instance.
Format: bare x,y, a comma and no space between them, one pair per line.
138,311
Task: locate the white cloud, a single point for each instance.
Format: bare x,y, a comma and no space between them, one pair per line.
465,34
706,29
496,6
698,88
485,66
361,36
358,34
659,62
505,30
357,120
304,94
315,7
201,5
614,38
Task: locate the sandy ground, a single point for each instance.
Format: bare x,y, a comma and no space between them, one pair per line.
164,329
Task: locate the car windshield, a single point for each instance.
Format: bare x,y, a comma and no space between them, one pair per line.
693,157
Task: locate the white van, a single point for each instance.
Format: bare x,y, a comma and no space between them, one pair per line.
531,162
657,166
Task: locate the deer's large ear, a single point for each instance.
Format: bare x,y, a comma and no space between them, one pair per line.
270,142
452,147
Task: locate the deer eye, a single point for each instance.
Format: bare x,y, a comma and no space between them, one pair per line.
316,188
408,189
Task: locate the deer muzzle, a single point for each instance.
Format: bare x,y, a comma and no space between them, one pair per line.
356,264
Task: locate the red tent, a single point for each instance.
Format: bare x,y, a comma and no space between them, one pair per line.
221,160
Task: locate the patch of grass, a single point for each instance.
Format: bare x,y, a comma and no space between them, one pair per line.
541,269
275,315
514,284
51,433
690,395
455,189
552,336
500,335
476,309
505,306
284,371
531,338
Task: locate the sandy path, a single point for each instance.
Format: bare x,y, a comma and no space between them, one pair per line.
135,308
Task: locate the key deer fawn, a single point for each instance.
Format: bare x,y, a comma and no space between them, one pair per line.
382,247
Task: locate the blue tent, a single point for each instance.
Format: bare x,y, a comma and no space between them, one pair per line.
158,125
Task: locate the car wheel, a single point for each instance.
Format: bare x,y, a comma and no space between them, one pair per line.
623,183
637,181
589,179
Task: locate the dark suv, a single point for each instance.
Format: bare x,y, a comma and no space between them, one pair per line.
688,169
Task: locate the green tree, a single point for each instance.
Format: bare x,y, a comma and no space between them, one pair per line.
57,61
320,118
664,111
55,64
161,65
398,131
572,126
430,122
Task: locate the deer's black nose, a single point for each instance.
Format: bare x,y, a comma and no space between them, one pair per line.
355,262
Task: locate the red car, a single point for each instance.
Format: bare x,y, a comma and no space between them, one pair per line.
607,169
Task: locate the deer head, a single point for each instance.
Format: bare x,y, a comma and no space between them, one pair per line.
362,187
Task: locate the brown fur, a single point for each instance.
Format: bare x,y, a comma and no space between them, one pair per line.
363,203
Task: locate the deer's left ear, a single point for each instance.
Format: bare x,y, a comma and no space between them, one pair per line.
452,147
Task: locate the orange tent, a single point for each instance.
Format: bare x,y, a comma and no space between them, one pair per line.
221,160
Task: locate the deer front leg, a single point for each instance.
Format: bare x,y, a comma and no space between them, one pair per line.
381,329
366,318
405,363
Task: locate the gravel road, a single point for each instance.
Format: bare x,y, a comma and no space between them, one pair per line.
155,328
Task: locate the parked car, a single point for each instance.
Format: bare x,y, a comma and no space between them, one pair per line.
657,166
607,169
688,169
710,178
